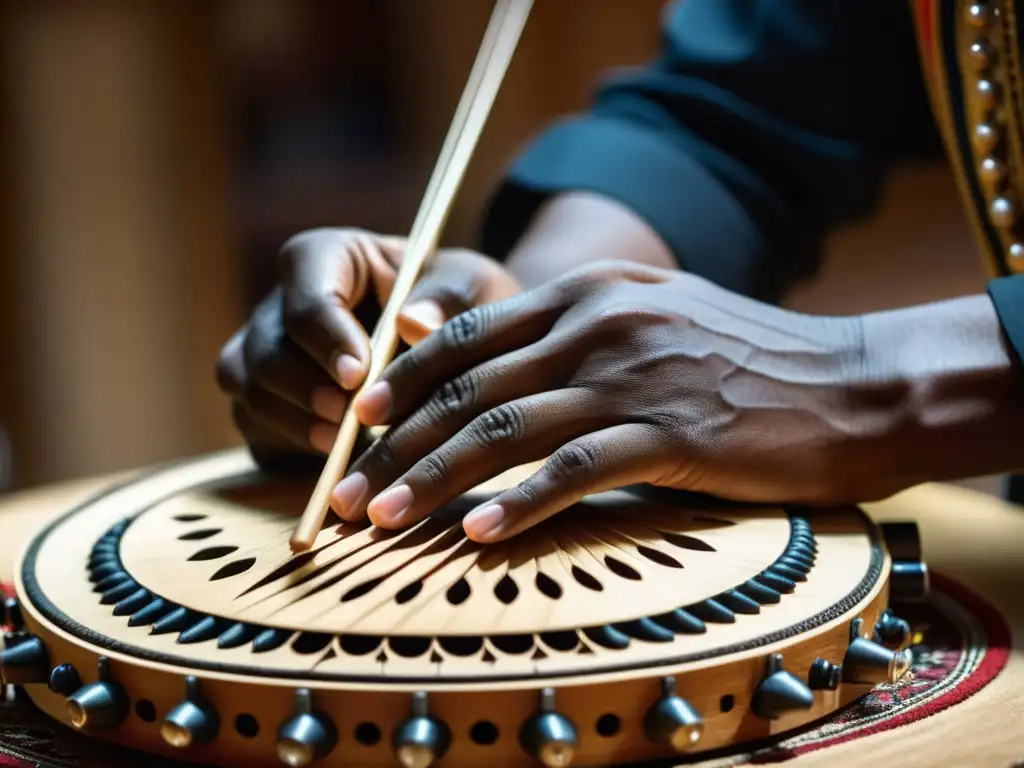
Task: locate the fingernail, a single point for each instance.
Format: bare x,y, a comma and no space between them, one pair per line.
348,495
350,372
427,314
374,405
484,523
322,436
389,506
328,403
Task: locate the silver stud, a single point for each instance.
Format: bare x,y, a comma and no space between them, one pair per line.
986,91
979,14
992,170
985,137
1016,251
980,53
1003,212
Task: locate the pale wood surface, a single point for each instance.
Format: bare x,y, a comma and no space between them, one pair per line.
969,536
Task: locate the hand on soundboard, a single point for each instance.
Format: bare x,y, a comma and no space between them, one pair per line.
617,374
292,368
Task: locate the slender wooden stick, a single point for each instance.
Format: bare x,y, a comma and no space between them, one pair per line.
496,51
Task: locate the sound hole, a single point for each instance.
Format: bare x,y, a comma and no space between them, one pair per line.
408,592
146,710
512,644
205,533
619,568
247,726
458,592
310,642
367,734
359,645
561,641
586,580
727,702
409,647
548,586
506,590
234,568
658,557
465,645
688,542
484,733
212,553
189,518
608,725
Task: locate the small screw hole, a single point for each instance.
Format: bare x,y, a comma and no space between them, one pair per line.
727,702
367,734
608,725
247,726
484,733
145,710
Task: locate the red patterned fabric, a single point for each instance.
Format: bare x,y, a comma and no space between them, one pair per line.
964,644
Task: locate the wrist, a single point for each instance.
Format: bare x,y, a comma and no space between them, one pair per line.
940,393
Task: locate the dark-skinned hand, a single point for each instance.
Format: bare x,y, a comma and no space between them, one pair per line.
291,369
617,374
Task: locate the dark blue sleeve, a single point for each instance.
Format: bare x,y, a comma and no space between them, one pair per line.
1007,294
761,126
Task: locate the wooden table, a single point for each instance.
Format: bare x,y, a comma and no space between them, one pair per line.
972,537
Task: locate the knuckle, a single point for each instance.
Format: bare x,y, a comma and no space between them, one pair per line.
454,396
503,424
301,243
384,455
576,460
304,313
434,468
527,494
465,329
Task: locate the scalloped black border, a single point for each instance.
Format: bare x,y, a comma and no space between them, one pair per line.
35,593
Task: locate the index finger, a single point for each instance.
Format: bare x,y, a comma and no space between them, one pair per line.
465,341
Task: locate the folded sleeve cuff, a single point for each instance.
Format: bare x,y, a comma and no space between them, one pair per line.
651,173
1007,294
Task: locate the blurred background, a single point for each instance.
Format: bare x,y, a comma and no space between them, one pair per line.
156,153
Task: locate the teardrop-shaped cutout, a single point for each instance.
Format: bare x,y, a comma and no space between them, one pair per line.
189,518
461,645
586,580
212,553
359,645
199,535
311,642
287,569
234,568
683,541
548,586
409,647
506,590
565,640
408,592
458,592
361,589
512,644
620,568
658,556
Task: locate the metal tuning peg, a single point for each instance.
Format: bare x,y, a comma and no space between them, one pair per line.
867,662
24,661
892,631
307,736
548,736
101,705
421,739
672,720
193,721
780,692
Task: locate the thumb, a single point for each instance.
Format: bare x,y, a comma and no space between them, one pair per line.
419,318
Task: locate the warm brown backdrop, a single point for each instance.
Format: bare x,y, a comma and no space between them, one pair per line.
156,152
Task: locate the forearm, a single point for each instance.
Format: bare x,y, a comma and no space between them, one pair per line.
950,387
575,228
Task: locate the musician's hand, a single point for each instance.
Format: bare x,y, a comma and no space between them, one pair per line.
290,370
619,374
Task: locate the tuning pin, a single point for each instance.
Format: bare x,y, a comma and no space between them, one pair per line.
193,721
12,614
671,720
65,680
780,692
892,631
25,662
100,705
548,736
824,675
307,736
421,739
869,663
908,581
